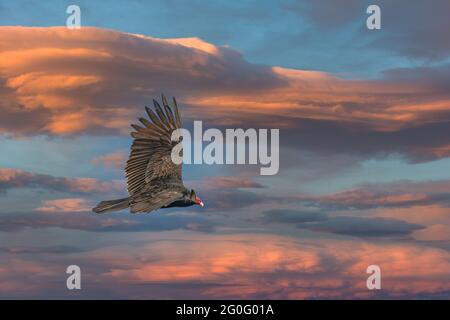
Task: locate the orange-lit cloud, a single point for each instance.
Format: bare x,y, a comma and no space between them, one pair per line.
290,268
56,81
189,264
94,80
65,205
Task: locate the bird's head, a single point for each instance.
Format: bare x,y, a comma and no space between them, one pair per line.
196,200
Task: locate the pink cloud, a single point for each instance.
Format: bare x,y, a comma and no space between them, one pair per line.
16,178
237,266
65,205
115,160
16,277
290,268
436,232
396,194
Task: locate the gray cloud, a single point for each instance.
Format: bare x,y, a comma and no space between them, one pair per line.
318,221
424,142
228,200
58,249
293,216
413,28
363,227
88,221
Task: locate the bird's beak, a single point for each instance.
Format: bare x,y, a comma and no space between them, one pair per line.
199,202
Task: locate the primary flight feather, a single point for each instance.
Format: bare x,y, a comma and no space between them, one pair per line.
154,181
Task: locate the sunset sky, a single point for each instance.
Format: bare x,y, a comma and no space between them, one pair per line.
364,119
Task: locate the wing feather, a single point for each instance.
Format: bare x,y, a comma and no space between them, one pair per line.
169,113
177,113
155,119
161,114
150,160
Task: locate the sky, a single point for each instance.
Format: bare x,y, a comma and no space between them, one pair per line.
364,174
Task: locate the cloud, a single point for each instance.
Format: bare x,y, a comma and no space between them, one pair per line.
224,193
15,270
16,178
374,210
437,232
315,220
188,264
73,78
395,195
114,160
293,216
364,199
65,205
225,266
229,183
64,215
56,249
363,227
427,40
400,31
95,81
229,200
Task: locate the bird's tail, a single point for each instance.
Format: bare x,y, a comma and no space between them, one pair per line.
112,205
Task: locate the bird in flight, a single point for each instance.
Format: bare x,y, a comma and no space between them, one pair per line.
154,181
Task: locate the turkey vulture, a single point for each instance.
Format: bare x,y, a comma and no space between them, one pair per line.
154,181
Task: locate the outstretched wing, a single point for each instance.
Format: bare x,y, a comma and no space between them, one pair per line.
150,157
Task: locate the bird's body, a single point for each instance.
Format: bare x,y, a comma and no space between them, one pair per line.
154,181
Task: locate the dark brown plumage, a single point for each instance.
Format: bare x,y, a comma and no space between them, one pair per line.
153,180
